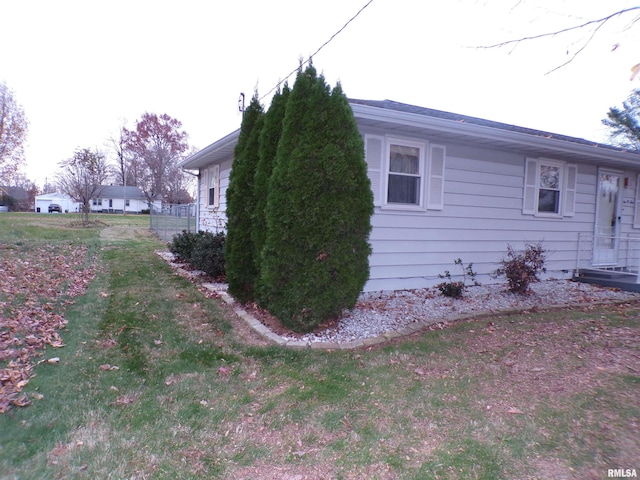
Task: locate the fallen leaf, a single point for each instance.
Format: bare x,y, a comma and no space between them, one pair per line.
54,360
420,371
515,411
224,371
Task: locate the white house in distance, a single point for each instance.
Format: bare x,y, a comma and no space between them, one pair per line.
119,199
111,199
450,186
67,204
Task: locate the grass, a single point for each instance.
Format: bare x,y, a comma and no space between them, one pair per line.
158,381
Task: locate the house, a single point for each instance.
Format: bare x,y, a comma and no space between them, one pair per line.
15,198
110,199
119,199
449,186
67,204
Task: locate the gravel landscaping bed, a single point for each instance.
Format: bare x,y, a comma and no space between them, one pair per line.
377,313
381,312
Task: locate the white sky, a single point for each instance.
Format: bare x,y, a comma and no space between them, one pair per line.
81,68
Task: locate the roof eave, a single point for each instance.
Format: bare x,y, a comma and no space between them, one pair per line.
469,131
210,154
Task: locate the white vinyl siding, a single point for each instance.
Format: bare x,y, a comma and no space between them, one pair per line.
636,205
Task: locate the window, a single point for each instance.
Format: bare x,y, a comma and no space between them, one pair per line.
213,186
405,174
550,188
97,201
126,202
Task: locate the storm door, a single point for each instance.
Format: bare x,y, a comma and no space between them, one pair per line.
607,229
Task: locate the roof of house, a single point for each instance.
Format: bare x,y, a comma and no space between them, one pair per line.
118,191
17,193
389,116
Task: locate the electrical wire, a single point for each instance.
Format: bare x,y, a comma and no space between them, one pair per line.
317,51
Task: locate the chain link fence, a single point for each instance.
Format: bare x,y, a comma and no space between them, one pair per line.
171,220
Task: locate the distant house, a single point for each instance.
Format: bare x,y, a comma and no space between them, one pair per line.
67,204
15,198
110,199
119,199
450,186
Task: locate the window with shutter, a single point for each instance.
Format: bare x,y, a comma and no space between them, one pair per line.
549,188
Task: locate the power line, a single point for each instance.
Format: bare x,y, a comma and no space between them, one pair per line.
318,50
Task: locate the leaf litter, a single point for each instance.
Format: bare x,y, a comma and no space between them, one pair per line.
34,286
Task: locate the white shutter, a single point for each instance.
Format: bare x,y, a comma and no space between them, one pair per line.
216,199
530,181
373,157
636,206
571,184
435,192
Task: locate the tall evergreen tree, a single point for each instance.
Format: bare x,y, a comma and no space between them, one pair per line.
624,122
315,258
239,249
269,139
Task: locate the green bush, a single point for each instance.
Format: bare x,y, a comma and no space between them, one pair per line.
240,253
522,268
182,245
269,139
208,253
202,250
315,260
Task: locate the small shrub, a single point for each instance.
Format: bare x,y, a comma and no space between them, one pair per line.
456,289
522,268
182,245
208,253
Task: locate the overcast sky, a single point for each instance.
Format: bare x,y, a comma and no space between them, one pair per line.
81,68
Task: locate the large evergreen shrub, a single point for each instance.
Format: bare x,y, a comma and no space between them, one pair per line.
269,139
239,248
315,258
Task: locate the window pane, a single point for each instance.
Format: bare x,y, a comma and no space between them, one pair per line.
403,189
549,177
212,196
403,159
549,201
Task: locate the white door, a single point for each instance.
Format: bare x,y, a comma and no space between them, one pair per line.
607,229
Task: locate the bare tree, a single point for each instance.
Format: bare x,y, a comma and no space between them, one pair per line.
82,177
179,186
13,134
118,145
595,26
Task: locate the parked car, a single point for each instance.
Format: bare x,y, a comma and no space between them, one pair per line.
4,208
54,207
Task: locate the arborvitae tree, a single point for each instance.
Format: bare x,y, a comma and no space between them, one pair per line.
239,249
269,139
315,259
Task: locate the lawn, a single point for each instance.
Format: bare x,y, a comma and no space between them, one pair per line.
158,380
